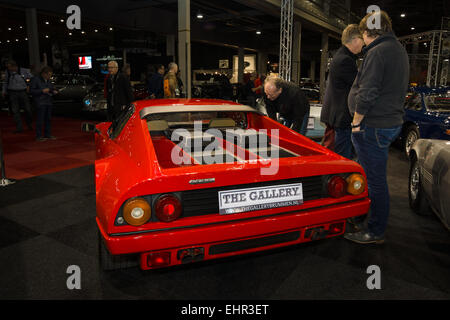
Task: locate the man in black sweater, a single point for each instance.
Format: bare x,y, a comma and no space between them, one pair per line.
343,70
376,102
289,101
119,92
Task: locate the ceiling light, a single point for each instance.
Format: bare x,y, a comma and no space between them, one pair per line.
46,36
403,15
17,40
70,33
7,41
62,20
82,32
258,32
46,22
95,30
26,39
9,29
199,15
20,27
412,28
110,29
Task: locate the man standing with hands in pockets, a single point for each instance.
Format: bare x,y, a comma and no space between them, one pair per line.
376,104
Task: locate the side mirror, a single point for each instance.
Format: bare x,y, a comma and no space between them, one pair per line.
89,127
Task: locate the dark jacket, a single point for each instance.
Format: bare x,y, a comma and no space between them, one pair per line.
291,104
343,70
40,98
156,86
380,87
119,92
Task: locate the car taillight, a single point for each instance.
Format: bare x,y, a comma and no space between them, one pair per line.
355,184
168,208
136,211
337,187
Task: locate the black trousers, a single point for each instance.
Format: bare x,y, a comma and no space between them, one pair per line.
16,100
43,117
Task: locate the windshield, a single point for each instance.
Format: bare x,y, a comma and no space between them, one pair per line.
439,103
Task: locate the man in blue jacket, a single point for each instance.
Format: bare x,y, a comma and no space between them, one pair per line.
376,102
42,91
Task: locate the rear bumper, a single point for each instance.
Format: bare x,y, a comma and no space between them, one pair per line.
274,231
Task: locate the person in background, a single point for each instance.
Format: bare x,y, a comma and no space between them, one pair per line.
343,70
127,70
289,101
156,83
171,82
376,102
42,91
249,89
119,92
16,86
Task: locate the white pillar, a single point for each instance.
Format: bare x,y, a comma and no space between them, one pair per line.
184,43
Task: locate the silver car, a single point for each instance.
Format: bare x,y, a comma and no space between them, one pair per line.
429,178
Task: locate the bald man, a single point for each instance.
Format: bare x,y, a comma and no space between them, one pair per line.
119,92
289,101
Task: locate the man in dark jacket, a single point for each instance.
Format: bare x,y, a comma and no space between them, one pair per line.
42,91
376,102
156,83
119,92
289,101
343,70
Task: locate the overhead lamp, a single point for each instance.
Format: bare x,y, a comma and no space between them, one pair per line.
199,15
70,33
62,20
110,29
95,30
9,29
17,40
46,22
20,27
258,32
26,39
82,32
46,36
412,28
403,15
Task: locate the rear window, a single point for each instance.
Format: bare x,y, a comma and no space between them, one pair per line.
187,120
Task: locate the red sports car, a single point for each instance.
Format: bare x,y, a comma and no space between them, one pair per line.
179,181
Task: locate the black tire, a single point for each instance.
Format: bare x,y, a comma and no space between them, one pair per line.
411,135
108,261
417,200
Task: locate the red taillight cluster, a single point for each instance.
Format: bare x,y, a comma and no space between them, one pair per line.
168,207
338,187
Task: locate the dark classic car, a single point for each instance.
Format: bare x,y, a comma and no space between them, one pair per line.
427,116
72,88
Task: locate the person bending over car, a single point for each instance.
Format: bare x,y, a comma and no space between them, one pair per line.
289,101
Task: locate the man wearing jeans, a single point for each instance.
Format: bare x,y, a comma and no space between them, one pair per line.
376,103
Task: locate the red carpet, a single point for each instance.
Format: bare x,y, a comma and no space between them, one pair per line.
25,157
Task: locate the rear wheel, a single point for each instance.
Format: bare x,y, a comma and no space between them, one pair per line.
411,136
113,262
417,199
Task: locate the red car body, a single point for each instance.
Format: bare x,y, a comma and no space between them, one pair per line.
131,163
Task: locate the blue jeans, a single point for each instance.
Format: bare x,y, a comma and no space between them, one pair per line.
372,147
343,142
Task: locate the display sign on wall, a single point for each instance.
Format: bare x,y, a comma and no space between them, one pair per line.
223,64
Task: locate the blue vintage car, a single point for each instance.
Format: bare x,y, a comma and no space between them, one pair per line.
427,116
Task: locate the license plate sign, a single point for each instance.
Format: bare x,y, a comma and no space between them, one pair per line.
260,198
